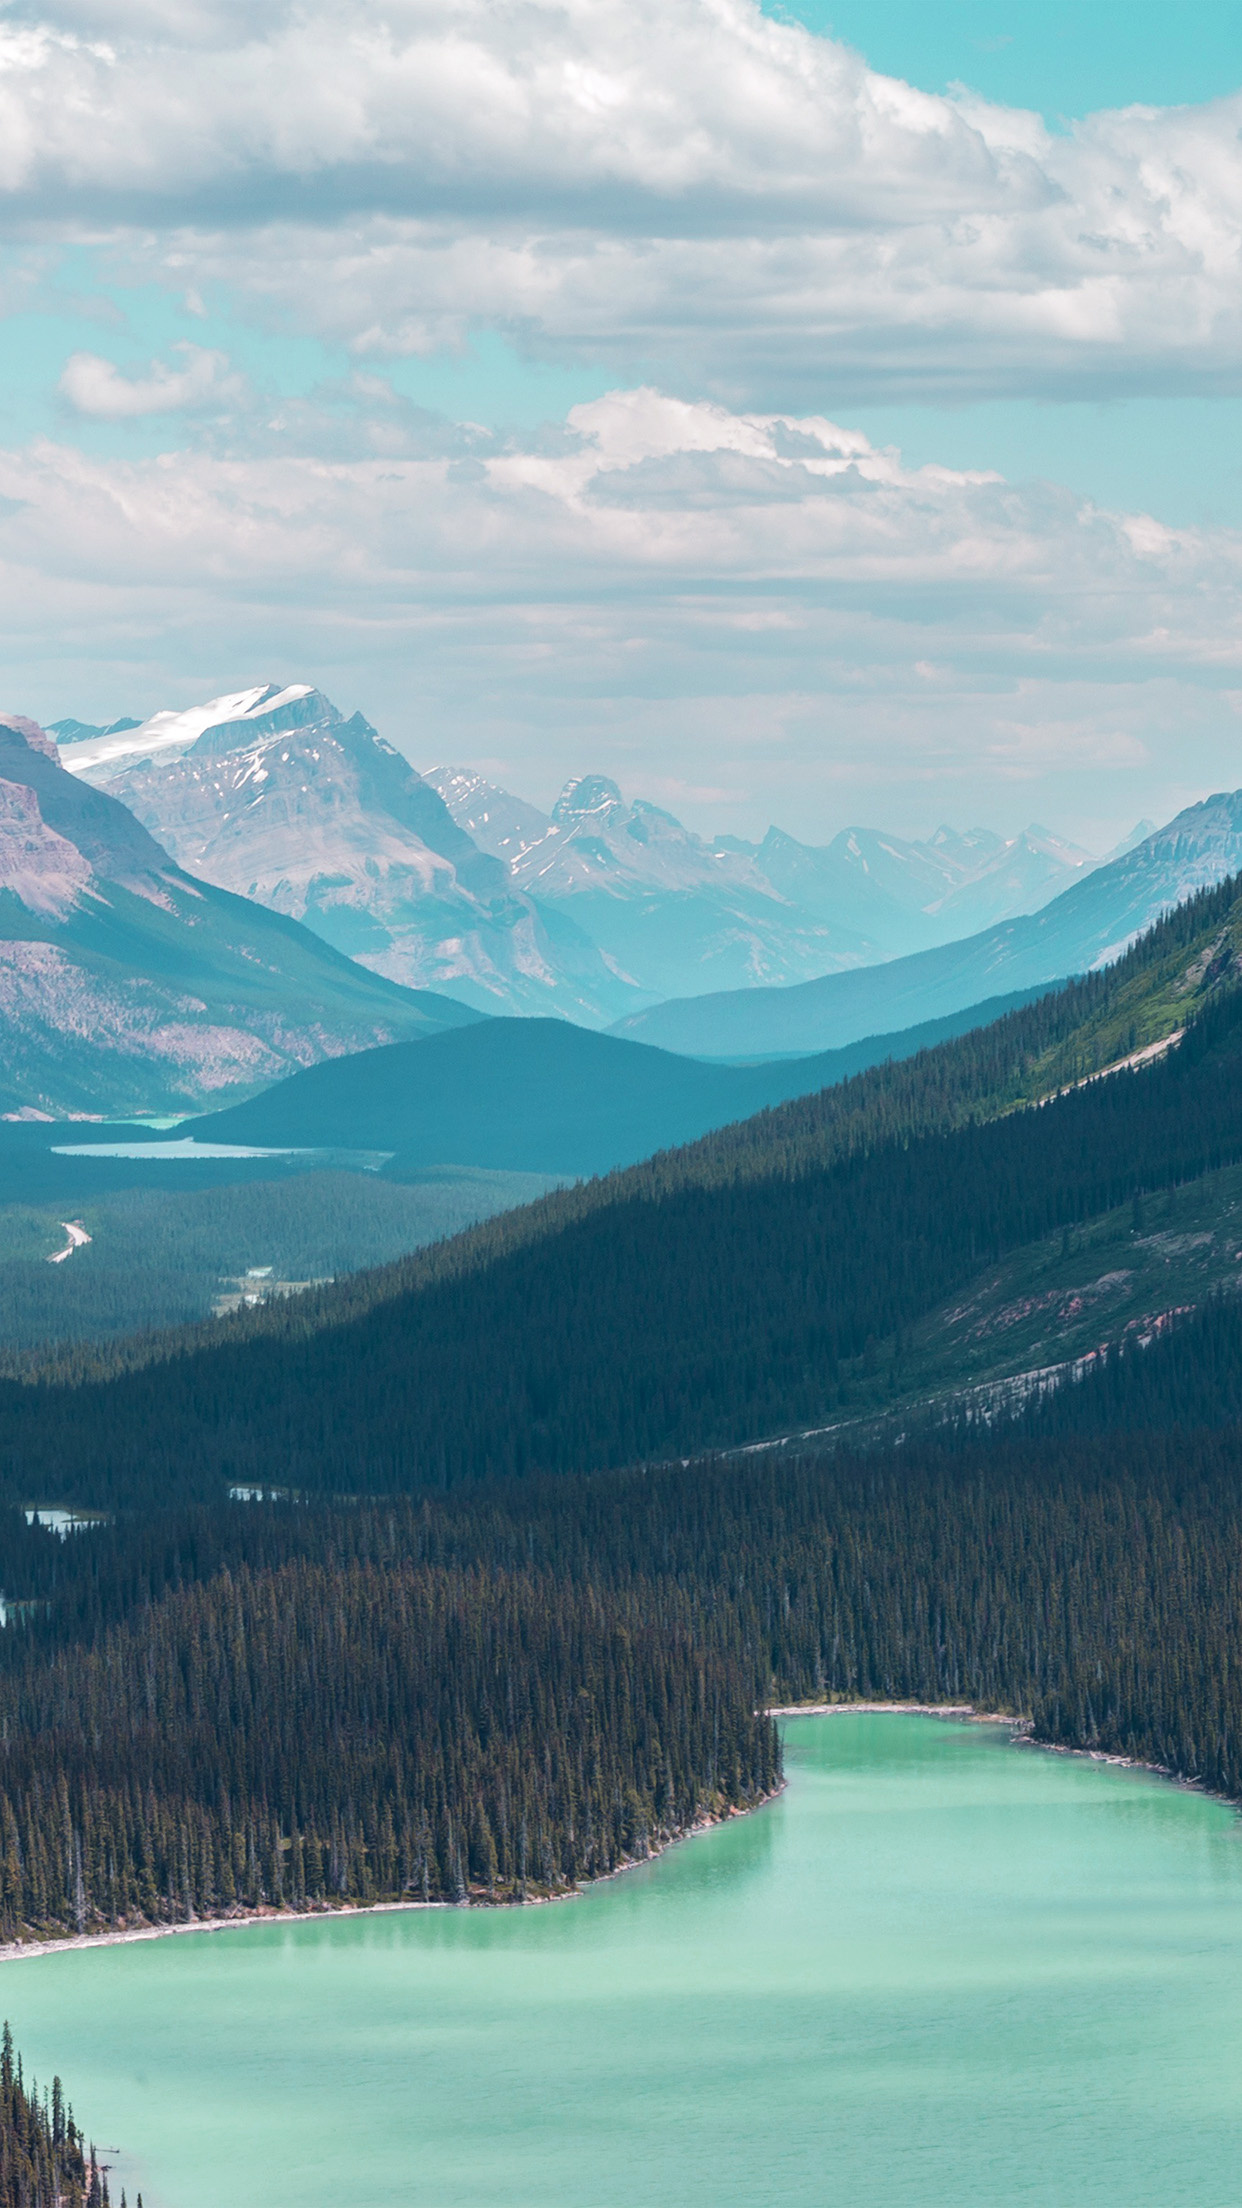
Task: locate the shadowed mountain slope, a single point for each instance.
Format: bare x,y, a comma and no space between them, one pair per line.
537,1096
713,1295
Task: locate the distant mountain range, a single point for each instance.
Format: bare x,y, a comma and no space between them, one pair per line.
910,896
592,912
126,985
664,904
673,913
1087,926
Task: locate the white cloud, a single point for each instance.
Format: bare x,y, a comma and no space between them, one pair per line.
684,181
95,387
752,599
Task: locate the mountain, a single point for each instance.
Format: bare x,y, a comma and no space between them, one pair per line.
1085,927
762,1279
494,819
669,911
534,1096
911,896
275,795
76,732
1021,876
869,895
126,985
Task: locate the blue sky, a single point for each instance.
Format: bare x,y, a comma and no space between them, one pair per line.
1063,57
312,322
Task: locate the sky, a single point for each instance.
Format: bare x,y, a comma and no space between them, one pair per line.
825,414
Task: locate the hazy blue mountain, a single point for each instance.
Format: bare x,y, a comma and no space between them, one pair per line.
125,985
676,912
1087,926
538,1096
911,896
276,795
76,732
1022,875
591,912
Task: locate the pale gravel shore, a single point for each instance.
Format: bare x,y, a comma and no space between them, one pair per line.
910,1709
17,1950
14,1951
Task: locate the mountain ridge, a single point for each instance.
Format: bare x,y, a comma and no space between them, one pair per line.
536,1096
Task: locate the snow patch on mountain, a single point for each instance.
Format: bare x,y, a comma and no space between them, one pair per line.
175,730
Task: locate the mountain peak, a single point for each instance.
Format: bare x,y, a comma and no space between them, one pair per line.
274,713
587,797
177,729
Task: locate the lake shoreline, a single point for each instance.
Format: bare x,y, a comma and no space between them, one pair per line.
965,1710
13,1951
1021,1735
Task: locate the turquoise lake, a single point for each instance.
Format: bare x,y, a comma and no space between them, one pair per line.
940,1971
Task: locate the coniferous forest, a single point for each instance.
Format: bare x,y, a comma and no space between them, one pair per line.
44,2159
512,1613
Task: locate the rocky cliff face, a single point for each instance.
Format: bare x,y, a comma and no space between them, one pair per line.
126,985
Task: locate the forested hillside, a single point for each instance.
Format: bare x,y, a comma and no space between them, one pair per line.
714,1296
495,1693
482,1679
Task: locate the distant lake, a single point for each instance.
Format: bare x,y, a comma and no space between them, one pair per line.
940,1972
184,1150
165,1153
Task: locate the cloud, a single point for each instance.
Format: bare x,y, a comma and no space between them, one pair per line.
94,387
756,598
679,181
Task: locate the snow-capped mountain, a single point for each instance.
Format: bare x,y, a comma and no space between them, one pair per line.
276,795
593,911
126,985
672,912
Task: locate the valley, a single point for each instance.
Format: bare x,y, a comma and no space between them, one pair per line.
620,1105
